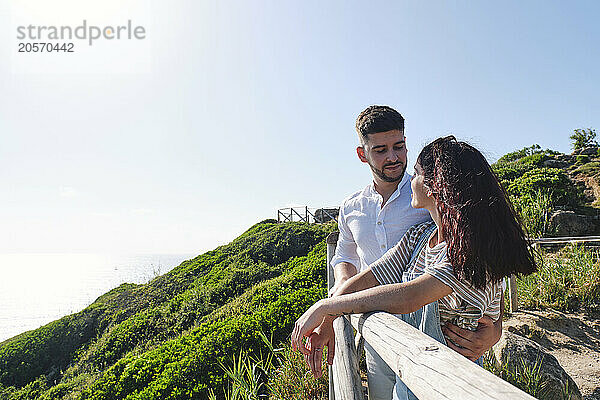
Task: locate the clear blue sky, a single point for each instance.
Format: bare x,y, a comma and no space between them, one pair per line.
230,110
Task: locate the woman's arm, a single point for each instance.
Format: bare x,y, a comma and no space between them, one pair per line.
398,298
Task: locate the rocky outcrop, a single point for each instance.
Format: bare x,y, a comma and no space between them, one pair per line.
567,223
516,351
554,163
326,214
587,151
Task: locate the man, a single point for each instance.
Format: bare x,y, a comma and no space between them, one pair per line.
374,219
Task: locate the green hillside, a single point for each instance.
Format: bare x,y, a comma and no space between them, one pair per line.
165,339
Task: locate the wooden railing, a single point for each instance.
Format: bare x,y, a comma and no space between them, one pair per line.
565,240
430,369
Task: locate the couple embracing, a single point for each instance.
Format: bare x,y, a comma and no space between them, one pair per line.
432,248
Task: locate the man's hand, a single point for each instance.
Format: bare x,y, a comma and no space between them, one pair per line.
321,337
474,343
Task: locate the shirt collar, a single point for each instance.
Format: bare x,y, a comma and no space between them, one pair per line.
403,182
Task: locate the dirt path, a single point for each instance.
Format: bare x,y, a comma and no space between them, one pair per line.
574,339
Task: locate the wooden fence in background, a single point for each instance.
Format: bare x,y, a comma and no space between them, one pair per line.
307,215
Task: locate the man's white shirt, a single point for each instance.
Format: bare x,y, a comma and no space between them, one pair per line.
368,230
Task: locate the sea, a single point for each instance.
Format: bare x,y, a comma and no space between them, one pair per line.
36,289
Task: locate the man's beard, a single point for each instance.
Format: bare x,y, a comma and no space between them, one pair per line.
386,178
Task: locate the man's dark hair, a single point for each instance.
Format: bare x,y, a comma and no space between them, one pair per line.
376,119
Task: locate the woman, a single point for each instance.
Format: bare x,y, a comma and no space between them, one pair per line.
455,263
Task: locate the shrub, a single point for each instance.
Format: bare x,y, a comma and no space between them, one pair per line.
551,180
535,160
534,212
515,155
583,138
510,171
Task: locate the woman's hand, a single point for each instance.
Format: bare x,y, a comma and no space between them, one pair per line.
322,336
306,324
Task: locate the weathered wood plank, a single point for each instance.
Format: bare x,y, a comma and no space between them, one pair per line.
345,373
331,245
573,239
344,378
430,369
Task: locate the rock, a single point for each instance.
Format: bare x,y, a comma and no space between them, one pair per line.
567,223
552,163
589,151
326,214
518,352
565,157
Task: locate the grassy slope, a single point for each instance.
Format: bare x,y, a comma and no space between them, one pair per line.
166,338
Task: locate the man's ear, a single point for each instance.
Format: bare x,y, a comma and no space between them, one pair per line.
360,151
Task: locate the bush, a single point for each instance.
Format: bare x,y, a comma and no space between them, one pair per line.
516,155
526,152
583,138
510,172
534,212
551,180
534,160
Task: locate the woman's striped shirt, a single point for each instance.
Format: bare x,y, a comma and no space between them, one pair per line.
465,305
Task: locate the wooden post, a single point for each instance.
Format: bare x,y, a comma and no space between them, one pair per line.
331,241
512,293
331,244
344,378
347,383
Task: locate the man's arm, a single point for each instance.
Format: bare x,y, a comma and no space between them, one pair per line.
475,343
342,272
345,261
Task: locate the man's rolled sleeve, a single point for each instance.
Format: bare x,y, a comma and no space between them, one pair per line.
345,250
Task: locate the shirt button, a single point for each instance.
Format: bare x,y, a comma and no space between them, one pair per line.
383,246
378,222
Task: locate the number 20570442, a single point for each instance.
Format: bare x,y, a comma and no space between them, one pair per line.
46,47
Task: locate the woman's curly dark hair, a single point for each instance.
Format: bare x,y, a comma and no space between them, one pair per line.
484,236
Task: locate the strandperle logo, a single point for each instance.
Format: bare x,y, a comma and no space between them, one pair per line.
84,31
